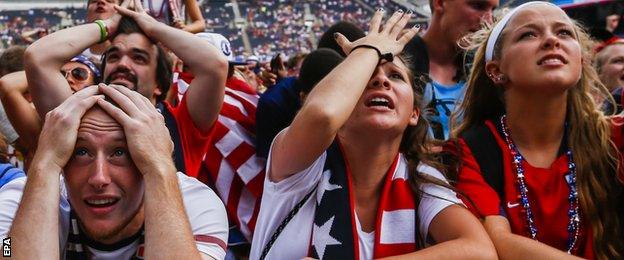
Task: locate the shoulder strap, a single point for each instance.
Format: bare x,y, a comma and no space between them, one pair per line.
172,126
278,230
488,154
265,251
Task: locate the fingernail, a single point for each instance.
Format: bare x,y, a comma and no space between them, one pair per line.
335,35
379,9
417,26
400,11
410,12
382,10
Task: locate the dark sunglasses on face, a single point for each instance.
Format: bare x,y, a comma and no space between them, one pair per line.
78,73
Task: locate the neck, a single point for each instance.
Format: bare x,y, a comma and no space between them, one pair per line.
369,160
442,53
536,123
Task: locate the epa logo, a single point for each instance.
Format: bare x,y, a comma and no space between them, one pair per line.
6,247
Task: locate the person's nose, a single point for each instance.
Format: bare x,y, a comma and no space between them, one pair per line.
99,175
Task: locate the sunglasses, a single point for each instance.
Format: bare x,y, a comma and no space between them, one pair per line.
78,73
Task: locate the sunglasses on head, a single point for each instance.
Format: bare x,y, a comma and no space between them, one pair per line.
78,73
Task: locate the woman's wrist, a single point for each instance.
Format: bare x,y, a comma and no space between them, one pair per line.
381,56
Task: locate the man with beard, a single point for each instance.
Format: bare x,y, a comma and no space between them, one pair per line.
103,186
439,57
135,61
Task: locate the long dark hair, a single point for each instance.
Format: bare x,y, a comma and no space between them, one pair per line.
418,147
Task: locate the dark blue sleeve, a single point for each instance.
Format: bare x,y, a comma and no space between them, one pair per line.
276,109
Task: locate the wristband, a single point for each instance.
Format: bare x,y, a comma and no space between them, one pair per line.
386,56
103,30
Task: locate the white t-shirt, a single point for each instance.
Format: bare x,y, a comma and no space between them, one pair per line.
204,209
278,199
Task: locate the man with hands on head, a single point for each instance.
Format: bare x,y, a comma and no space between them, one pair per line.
120,196
135,61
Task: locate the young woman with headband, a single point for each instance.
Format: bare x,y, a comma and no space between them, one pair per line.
539,159
348,179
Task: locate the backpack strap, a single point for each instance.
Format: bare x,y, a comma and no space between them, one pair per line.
9,173
488,155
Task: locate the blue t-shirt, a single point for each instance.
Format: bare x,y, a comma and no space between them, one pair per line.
276,109
440,103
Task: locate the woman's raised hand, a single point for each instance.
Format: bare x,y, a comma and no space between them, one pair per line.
389,38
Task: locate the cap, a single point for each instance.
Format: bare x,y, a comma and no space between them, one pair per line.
87,62
222,44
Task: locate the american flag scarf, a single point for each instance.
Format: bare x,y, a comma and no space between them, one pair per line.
76,248
334,234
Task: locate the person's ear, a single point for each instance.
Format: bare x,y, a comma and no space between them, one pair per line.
493,71
414,118
437,6
157,91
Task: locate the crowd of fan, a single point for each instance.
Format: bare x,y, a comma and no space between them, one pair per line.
273,26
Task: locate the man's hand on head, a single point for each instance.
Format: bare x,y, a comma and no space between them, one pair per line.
60,129
148,139
113,22
140,16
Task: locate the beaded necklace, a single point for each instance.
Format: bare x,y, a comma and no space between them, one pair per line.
574,218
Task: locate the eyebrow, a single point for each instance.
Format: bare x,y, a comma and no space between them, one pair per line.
133,50
140,51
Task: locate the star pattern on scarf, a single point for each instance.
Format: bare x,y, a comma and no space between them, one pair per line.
326,186
322,238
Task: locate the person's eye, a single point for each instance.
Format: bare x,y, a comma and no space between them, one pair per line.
119,152
618,61
527,35
112,57
396,75
565,32
140,59
80,152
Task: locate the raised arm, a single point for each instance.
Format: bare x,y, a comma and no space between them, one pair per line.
198,24
44,58
36,223
167,229
205,94
330,103
20,112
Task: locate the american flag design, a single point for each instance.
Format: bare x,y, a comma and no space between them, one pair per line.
230,165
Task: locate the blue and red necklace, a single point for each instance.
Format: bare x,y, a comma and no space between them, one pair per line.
574,218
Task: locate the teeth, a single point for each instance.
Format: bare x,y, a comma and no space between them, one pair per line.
379,99
100,202
552,61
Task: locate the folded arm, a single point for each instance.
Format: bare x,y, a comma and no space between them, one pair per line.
20,112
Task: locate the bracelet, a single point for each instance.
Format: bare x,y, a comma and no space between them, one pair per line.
386,56
103,30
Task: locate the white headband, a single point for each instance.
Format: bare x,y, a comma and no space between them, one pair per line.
498,28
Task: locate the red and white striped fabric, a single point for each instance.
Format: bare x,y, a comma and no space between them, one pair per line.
230,165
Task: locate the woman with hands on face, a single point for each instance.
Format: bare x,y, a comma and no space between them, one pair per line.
352,172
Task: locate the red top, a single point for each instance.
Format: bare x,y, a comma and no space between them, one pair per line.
547,192
193,141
